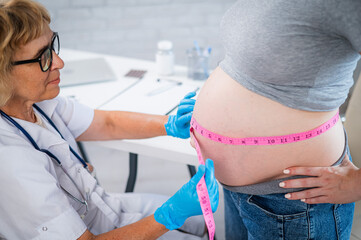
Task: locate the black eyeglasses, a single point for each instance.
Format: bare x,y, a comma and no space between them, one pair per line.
46,57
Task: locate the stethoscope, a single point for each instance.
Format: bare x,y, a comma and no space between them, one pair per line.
52,156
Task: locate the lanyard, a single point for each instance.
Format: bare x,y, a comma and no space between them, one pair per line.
30,138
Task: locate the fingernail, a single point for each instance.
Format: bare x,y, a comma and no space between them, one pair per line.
287,195
286,171
282,184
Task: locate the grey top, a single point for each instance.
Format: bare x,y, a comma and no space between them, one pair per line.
301,53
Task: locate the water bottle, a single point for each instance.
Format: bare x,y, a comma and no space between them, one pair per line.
164,58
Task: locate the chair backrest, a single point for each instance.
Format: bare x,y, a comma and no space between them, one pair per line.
353,128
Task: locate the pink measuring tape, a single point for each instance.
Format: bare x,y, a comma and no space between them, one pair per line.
201,186
266,140
203,195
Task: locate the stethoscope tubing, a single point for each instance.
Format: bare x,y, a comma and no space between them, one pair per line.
52,156
32,141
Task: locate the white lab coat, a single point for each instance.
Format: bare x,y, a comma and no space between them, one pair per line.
33,206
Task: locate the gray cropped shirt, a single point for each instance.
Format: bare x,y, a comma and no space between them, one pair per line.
300,53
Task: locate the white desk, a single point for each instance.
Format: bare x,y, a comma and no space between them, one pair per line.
95,95
166,148
106,96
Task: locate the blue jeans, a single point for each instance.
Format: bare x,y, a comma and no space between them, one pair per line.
273,217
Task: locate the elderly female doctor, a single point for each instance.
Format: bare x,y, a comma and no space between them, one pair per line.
46,189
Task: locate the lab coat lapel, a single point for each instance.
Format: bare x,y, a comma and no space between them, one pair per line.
45,138
48,106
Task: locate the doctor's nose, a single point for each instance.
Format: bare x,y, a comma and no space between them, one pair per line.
57,63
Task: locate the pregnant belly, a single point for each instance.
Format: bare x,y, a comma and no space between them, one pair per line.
225,107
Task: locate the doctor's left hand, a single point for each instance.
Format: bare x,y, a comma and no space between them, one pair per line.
184,203
178,125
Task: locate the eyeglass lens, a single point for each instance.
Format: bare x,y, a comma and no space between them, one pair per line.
56,44
46,60
47,56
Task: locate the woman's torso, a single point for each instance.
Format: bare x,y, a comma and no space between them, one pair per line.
280,56
227,108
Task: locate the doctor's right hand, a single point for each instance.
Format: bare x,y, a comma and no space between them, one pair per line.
184,203
178,125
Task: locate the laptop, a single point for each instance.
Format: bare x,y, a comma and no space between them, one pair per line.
86,71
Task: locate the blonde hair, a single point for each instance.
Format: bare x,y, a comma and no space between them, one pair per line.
21,21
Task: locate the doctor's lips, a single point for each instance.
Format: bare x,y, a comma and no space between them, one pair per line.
55,81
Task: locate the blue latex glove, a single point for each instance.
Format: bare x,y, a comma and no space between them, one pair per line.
178,125
184,203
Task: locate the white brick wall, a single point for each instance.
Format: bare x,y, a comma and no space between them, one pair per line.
132,27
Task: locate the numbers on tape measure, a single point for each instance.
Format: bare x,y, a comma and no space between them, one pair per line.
203,195
206,207
266,140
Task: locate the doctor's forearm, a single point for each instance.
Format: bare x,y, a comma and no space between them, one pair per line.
109,125
145,229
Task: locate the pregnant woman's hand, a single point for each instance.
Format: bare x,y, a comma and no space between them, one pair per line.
337,184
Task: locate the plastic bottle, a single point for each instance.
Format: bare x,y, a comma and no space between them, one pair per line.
165,58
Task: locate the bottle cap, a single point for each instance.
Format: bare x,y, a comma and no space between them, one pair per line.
165,45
